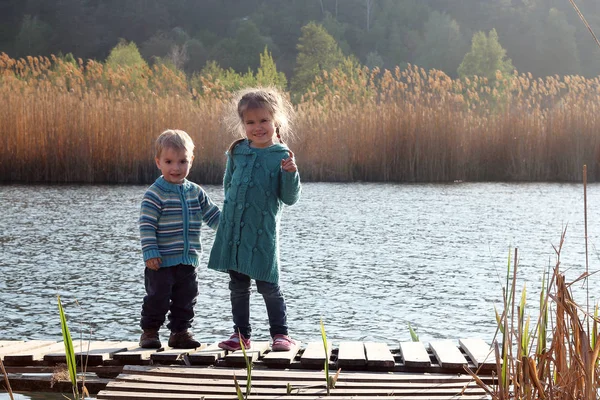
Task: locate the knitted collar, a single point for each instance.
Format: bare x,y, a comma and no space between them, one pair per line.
244,148
171,187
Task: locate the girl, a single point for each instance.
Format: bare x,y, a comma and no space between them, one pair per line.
260,177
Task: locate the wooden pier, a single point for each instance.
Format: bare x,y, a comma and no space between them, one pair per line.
122,370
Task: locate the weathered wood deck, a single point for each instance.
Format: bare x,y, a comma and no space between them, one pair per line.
433,370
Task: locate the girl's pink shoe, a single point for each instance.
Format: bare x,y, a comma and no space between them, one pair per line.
282,343
233,343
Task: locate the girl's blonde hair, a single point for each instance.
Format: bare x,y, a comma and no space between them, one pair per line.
173,139
269,98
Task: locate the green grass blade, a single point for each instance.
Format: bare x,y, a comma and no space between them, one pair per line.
248,367
413,334
69,351
499,320
238,390
326,366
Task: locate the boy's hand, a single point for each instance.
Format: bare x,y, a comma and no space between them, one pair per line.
153,264
289,164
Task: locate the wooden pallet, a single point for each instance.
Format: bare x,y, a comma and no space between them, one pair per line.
145,382
109,358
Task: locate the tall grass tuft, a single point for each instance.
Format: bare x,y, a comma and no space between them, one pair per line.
70,354
556,359
238,389
89,122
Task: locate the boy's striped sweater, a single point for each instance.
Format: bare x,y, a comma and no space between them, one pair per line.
170,220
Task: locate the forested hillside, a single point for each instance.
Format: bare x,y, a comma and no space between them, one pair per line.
544,37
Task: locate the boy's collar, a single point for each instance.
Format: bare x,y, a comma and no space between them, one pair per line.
172,187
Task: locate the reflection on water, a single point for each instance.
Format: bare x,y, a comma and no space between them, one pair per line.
367,258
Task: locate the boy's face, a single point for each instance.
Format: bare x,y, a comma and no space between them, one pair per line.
174,164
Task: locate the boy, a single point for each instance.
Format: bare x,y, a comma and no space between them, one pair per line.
172,212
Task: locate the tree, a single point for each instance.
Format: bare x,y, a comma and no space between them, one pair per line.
557,48
267,72
317,51
485,57
32,38
125,55
443,45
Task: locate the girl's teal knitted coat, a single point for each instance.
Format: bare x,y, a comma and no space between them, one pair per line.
256,188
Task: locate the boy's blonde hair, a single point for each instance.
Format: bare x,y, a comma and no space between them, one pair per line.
174,139
269,98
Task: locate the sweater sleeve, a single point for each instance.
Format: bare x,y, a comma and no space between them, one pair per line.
290,187
210,212
150,213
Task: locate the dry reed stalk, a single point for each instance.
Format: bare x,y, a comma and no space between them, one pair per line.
568,369
85,122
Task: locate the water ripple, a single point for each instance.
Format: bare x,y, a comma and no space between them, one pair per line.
367,258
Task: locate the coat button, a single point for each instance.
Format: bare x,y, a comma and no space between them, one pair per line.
257,165
264,213
268,193
246,179
238,242
255,250
242,224
240,206
251,184
272,174
230,243
247,205
260,231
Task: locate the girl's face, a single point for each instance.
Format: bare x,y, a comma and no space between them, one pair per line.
259,126
174,164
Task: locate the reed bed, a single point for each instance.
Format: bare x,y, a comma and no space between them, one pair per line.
64,121
555,357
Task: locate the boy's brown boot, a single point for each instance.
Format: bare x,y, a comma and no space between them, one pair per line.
150,339
183,340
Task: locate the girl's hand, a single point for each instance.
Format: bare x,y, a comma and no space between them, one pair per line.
289,164
153,264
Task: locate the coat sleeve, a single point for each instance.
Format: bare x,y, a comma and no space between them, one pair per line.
228,174
290,187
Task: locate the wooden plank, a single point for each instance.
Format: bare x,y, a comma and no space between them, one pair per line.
9,342
159,388
479,352
23,347
448,354
414,354
314,355
119,395
297,381
208,355
135,355
92,353
170,354
34,355
379,355
352,354
282,358
253,353
195,372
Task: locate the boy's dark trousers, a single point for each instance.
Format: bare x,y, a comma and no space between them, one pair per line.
171,289
239,286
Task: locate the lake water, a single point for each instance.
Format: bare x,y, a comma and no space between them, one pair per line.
367,258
